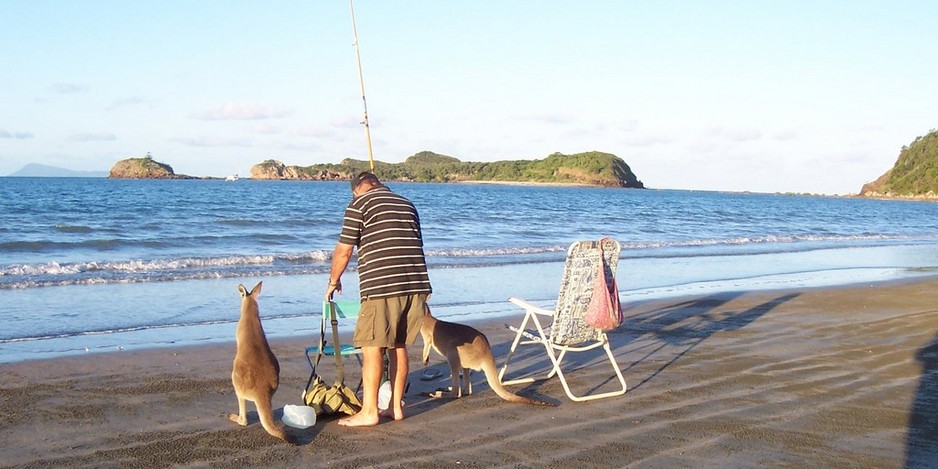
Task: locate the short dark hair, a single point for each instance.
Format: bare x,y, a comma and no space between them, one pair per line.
362,177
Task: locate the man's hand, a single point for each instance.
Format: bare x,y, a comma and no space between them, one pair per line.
340,258
333,287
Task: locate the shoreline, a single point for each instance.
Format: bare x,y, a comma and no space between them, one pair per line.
829,376
536,184
910,198
849,195
304,323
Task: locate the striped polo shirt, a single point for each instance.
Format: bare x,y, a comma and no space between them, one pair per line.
386,228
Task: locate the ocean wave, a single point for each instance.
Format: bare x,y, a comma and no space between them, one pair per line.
92,244
65,334
120,241
241,222
317,261
456,252
68,334
767,240
156,265
640,245
74,229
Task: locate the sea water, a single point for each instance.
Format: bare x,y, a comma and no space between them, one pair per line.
93,264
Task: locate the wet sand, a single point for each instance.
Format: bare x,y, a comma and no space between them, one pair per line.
832,377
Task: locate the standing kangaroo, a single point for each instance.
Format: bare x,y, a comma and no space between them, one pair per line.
256,372
466,349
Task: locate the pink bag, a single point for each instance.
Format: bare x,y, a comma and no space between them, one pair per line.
604,311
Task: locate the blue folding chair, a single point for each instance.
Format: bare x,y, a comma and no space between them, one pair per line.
332,311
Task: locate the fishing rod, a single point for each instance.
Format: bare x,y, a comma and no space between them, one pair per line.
361,81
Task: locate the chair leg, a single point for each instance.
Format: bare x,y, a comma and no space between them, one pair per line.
556,368
542,339
511,352
589,397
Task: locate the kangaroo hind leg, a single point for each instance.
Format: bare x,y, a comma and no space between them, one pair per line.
241,418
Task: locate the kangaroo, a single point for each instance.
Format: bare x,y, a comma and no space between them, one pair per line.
256,372
465,349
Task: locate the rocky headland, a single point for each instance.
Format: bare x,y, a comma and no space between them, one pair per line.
913,177
276,170
144,168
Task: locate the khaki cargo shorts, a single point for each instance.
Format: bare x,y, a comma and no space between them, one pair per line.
390,322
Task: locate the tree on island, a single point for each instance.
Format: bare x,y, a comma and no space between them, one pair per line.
914,174
589,168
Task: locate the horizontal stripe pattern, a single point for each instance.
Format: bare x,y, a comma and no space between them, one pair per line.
386,229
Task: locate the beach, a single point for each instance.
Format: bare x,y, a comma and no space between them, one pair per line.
820,377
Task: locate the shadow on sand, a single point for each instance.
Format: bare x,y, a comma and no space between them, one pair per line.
922,444
687,325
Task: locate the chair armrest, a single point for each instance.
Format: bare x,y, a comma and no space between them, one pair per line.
531,308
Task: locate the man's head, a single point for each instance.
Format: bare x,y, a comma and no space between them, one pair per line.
363,182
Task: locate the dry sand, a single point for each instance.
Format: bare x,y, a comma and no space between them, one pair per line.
840,377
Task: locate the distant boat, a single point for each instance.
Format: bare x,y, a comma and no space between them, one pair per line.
233,177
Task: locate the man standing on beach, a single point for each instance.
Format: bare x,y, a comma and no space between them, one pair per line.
394,286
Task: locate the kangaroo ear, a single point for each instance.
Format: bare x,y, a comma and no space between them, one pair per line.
257,289
243,290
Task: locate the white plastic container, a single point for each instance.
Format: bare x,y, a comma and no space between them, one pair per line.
299,416
384,395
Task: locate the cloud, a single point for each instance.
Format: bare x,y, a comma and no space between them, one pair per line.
307,147
648,140
738,134
547,119
605,127
16,135
266,129
204,141
93,137
318,132
235,111
68,88
132,101
625,125
348,123
786,134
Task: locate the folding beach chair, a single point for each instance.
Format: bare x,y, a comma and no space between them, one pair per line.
337,398
564,330
331,312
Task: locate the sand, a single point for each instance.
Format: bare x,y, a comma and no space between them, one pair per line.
833,377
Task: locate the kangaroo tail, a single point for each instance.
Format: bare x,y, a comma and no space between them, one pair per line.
491,375
266,415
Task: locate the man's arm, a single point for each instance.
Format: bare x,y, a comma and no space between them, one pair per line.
340,259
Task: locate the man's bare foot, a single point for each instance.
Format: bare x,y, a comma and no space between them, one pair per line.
390,413
359,420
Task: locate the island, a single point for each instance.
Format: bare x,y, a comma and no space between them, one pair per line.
144,168
915,174
46,171
586,169
589,169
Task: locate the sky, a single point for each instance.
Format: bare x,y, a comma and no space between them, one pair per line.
762,96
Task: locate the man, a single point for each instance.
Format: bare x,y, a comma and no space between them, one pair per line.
394,287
